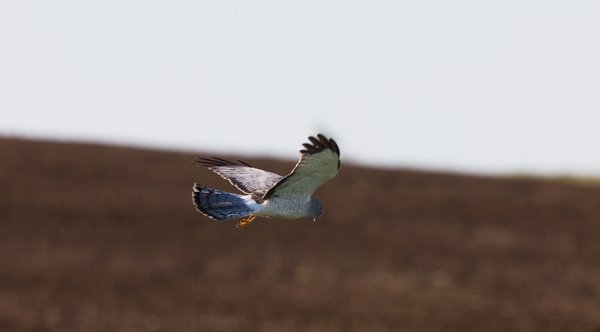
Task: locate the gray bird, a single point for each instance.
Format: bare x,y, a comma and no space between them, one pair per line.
268,194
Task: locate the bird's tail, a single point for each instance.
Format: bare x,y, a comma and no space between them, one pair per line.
220,205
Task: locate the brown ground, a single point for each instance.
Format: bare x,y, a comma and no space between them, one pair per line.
97,238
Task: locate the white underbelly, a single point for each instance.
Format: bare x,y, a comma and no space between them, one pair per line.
285,208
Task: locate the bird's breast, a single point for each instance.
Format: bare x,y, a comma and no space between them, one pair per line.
286,208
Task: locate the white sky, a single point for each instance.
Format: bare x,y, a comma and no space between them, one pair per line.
478,86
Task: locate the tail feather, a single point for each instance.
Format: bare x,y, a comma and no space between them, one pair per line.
220,205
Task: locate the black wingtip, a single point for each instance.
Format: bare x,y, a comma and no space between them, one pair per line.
244,163
320,143
216,161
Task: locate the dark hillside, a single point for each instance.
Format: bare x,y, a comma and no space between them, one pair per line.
96,238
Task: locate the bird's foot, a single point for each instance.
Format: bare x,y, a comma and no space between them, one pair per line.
245,222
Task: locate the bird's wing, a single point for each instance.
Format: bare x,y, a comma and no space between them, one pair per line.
246,178
319,162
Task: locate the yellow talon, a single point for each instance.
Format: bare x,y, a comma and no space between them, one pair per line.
245,222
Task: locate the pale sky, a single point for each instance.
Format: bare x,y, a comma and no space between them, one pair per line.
475,86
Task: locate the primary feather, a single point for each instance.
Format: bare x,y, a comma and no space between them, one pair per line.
319,162
248,179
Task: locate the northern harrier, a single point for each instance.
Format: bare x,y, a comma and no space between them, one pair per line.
268,194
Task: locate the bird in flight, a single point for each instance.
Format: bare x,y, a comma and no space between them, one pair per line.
267,194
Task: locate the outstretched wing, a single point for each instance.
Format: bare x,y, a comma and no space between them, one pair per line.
246,178
319,162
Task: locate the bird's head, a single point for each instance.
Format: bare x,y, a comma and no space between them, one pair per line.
316,209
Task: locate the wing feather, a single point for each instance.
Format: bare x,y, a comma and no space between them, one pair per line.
319,162
248,179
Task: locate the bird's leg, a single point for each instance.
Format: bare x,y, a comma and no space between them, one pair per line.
245,222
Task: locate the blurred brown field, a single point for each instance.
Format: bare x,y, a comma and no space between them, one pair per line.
98,238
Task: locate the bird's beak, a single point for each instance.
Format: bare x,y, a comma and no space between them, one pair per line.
316,219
